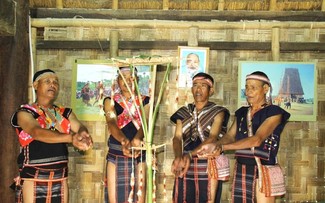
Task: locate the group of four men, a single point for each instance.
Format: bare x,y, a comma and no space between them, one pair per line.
200,137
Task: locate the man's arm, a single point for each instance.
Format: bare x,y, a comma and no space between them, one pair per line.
214,131
178,149
256,140
213,149
140,134
111,121
28,123
81,138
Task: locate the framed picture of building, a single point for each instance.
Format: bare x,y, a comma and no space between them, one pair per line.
92,81
294,86
192,60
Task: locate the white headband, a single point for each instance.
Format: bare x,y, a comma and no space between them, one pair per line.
203,78
258,77
43,75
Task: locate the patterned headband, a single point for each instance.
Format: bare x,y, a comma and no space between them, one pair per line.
122,69
203,78
263,79
258,77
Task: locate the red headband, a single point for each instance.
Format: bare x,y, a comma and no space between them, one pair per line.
203,78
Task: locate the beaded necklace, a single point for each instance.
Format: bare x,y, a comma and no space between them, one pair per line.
52,118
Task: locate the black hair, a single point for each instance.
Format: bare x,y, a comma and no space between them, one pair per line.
38,73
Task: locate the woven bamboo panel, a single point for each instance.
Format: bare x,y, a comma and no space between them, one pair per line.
302,144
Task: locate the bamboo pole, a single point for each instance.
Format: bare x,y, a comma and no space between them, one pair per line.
221,5
275,44
115,23
150,135
165,4
31,95
272,5
113,45
115,4
58,4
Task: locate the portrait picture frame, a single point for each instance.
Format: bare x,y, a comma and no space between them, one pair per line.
100,76
294,86
191,61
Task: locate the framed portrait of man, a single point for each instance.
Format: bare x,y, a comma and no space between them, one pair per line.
192,60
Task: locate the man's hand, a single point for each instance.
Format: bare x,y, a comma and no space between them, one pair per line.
136,143
126,147
82,140
181,165
208,150
177,166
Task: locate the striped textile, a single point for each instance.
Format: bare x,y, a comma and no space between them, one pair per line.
194,186
123,177
48,186
243,188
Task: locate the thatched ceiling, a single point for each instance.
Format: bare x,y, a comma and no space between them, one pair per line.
255,5
230,10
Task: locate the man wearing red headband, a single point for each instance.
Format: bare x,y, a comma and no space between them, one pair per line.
199,122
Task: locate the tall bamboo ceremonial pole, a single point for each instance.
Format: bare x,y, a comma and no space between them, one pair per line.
150,135
149,146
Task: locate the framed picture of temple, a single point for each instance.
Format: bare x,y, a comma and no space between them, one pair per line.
192,60
294,86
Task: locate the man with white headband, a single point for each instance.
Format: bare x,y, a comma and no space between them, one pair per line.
255,137
44,130
200,122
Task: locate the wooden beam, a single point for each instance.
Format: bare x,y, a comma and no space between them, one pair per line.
169,24
7,18
193,15
170,45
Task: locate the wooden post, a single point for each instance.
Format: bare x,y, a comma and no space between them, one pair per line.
113,45
323,5
272,5
275,44
165,4
115,4
193,37
14,60
58,4
221,5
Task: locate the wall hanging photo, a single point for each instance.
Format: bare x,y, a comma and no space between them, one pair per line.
92,81
294,86
192,60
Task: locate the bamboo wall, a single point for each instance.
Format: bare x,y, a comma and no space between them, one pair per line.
302,145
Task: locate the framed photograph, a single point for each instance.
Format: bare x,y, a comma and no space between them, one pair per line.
192,60
92,81
294,86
